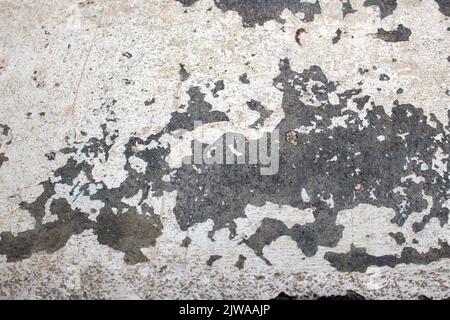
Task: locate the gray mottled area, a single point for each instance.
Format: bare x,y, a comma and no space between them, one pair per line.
386,7
359,260
49,237
218,86
128,231
444,7
343,165
398,237
184,75
347,8
262,110
255,12
366,170
198,110
401,33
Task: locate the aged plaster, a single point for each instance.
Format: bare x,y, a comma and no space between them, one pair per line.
100,101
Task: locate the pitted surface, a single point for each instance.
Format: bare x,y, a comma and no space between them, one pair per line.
99,116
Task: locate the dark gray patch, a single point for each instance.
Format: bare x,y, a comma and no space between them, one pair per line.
149,102
37,207
284,296
386,7
263,112
347,8
198,110
244,79
218,86
398,237
127,55
128,231
362,71
350,295
367,171
3,159
361,102
222,192
260,11
384,77
186,242
358,260
184,75
444,7
48,237
399,91
96,146
5,135
213,259
240,263
50,156
187,3
118,225
398,35
5,129
323,232
337,37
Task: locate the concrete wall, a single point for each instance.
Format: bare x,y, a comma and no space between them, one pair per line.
99,109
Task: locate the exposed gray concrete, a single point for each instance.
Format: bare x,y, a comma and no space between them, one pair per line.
101,195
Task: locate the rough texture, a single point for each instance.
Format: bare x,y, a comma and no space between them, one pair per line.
102,119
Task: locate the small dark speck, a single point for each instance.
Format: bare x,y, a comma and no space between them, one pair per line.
218,86
362,71
149,102
184,75
127,55
384,77
29,114
212,259
241,261
186,242
50,156
337,37
127,82
394,60
244,79
42,114
399,91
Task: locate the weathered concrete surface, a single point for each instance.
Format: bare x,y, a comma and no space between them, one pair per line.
98,107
